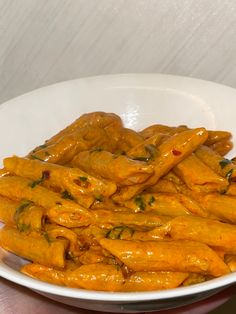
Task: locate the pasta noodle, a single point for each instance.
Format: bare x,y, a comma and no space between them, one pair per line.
102,207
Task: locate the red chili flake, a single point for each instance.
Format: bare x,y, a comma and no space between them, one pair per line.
176,152
45,175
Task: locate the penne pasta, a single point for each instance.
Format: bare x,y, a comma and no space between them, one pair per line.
71,214
193,279
93,255
67,147
189,256
221,206
148,281
199,177
222,166
171,152
171,204
217,136
213,136
208,231
93,276
110,122
231,191
27,215
34,247
106,218
71,182
96,276
128,139
163,129
163,186
100,206
230,260
147,149
222,147
120,169
23,214
54,231
45,273
161,204
8,209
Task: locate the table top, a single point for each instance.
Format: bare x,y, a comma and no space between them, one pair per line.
18,300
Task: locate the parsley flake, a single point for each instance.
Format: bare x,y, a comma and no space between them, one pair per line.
66,195
21,208
224,162
116,232
23,227
36,157
83,179
141,158
152,150
140,202
47,238
151,200
45,176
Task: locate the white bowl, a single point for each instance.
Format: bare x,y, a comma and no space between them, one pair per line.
141,100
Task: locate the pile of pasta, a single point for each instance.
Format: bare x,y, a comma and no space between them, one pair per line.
102,207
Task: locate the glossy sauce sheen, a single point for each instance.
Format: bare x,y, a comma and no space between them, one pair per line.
103,207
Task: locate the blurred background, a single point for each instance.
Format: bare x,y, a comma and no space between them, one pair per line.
48,41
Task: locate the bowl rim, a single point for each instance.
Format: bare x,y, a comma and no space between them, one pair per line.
34,284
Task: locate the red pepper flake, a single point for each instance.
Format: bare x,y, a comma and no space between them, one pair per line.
45,175
176,152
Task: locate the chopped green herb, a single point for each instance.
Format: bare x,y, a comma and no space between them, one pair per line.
65,194
36,157
83,179
224,162
45,176
141,158
116,232
34,183
39,148
21,208
46,236
23,227
42,146
140,202
58,203
99,198
127,233
46,153
151,200
229,174
152,150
